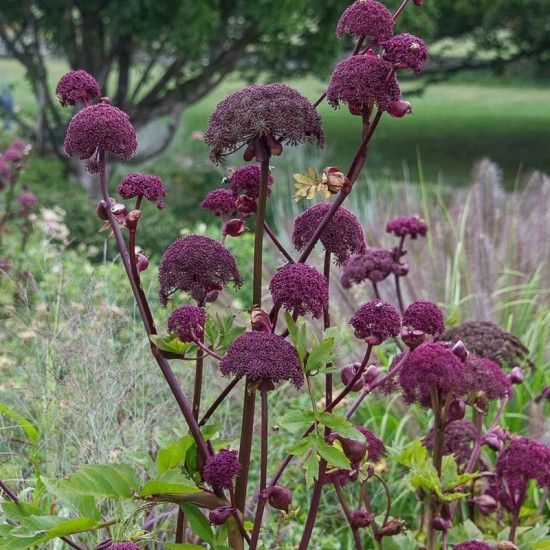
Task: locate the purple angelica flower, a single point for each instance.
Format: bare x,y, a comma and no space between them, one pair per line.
360,81
429,365
522,460
300,289
196,264
188,321
13,155
484,380
263,357
473,545
28,200
401,227
246,180
425,316
376,321
221,468
375,447
374,264
366,18
138,183
361,517
220,202
459,438
263,117
406,50
485,339
76,86
99,128
124,546
342,236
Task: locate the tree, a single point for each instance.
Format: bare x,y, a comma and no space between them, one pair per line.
154,58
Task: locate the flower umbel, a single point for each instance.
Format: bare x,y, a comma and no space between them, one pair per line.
376,321
366,18
406,50
138,183
188,321
76,86
413,227
221,468
246,180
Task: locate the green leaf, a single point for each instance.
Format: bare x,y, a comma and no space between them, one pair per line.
333,455
17,511
174,454
170,343
175,546
69,527
35,525
171,482
340,425
24,424
303,445
297,420
199,524
320,355
301,342
311,466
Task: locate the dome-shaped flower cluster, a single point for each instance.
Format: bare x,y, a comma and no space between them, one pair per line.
300,289
429,365
124,546
196,264
220,469
473,545
276,113
425,316
263,357
188,322
373,264
406,50
76,86
459,438
138,183
246,180
342,236
376,321
401,227
220,202
366,18
362,80
483,380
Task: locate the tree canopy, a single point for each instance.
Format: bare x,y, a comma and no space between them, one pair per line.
154,58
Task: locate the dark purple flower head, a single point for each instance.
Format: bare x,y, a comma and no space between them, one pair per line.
263,357
360,81
246,180
374,264
13,155
188,321
300,289
100,127
425,316
375,447
485,339
342,236
366,18
522,460
138,183
20,144
220,202
376,321
220,469
196,264
274,114
124,546
482,380
429,365
406,50
473,545
28,200
460,436
76,86
401,227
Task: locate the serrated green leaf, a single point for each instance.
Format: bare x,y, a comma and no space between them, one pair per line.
199,524
170,343
340,425
303,445
171,482
331,332
320,355
228,338
333,455
311,466
17,511
33,526
24,424
291,326
297,420
174,454
301,341
69,527
449,471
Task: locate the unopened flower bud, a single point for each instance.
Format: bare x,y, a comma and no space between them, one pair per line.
459,349
132,219
393,527
440,524
516,375
246,205
418,2
260,320
486,504
457,410
119,212
371,374
348,373
280,498
142,262
235,227
412,338
402,270
354,450
218,516
360,517
101,210
212,296
493,442
544,394
399,108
